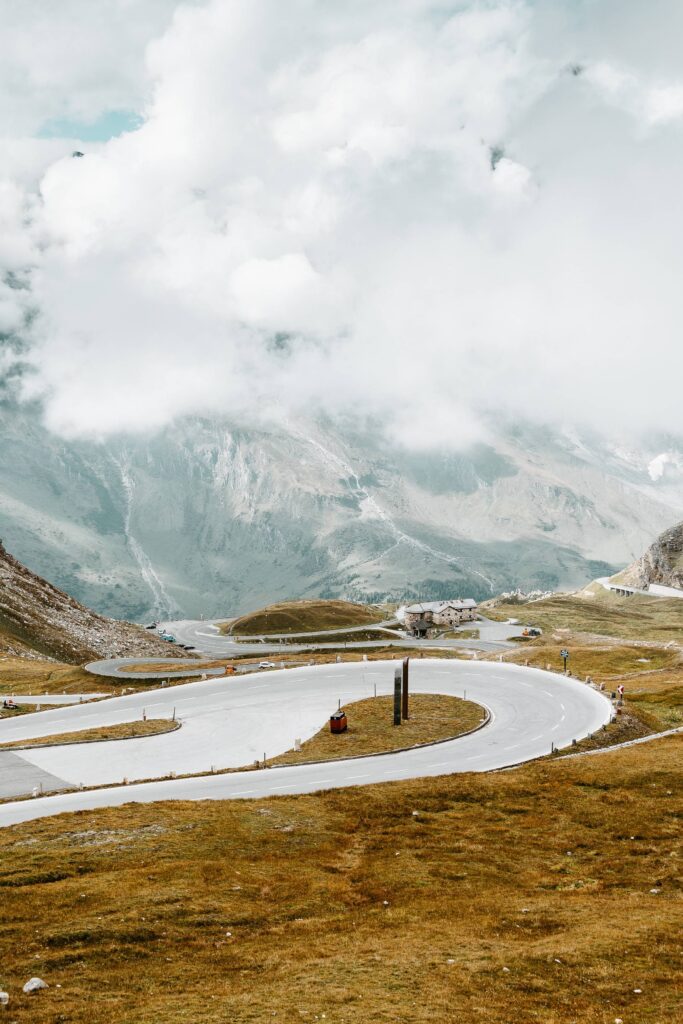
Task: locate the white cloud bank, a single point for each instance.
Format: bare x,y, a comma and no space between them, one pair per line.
420,209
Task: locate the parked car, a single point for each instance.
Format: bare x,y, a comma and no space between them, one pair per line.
266,664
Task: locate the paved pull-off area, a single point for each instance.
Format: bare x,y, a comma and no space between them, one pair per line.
18,775
233,721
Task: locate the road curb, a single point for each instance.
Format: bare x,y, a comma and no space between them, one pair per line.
74,743
383,753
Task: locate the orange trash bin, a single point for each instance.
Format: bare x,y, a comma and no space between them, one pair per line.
338,722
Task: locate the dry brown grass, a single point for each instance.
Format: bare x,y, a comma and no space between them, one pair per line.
304,617
602,663
23,675
176,666
603,613
329,656
124,730
522,897
350,637
371,730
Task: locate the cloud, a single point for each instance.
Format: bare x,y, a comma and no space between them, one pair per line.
435,214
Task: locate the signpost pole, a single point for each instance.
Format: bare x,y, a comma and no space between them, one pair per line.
564,654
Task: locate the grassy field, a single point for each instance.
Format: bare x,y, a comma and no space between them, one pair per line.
304,617
33,676
523,896
371,729
460,634
600,612
124,730
176,665
600,662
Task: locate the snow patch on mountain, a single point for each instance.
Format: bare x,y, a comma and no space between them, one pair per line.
666,462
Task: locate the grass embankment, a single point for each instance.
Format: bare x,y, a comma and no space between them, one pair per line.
600,662
25,709
33,677
652,678
601,612
520,896
304,617
175,666
328,657
352,637
124,730
371,730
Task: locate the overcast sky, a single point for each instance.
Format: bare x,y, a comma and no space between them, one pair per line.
426,210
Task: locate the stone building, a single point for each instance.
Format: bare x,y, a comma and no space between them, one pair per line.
419,618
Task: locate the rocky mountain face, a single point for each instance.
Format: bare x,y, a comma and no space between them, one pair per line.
37,618
207,518
662,563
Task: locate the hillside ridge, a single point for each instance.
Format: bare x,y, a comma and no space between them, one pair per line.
661,564
37,618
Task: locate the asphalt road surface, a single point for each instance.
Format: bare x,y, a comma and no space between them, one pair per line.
116,668
233,721
207,639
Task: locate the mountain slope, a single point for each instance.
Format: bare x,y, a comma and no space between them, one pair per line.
210,519
36,617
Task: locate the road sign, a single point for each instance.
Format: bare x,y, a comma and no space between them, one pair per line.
564,653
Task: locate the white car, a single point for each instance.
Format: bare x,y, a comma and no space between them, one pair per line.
266,664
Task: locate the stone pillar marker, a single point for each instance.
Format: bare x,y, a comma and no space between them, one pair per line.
398,678
404,708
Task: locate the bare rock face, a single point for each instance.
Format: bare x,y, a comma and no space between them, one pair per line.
38,619
662,563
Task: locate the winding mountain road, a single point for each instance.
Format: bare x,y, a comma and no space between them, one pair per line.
232,721
206,637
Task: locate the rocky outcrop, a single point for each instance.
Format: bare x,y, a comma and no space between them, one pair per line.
662,563
37,618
